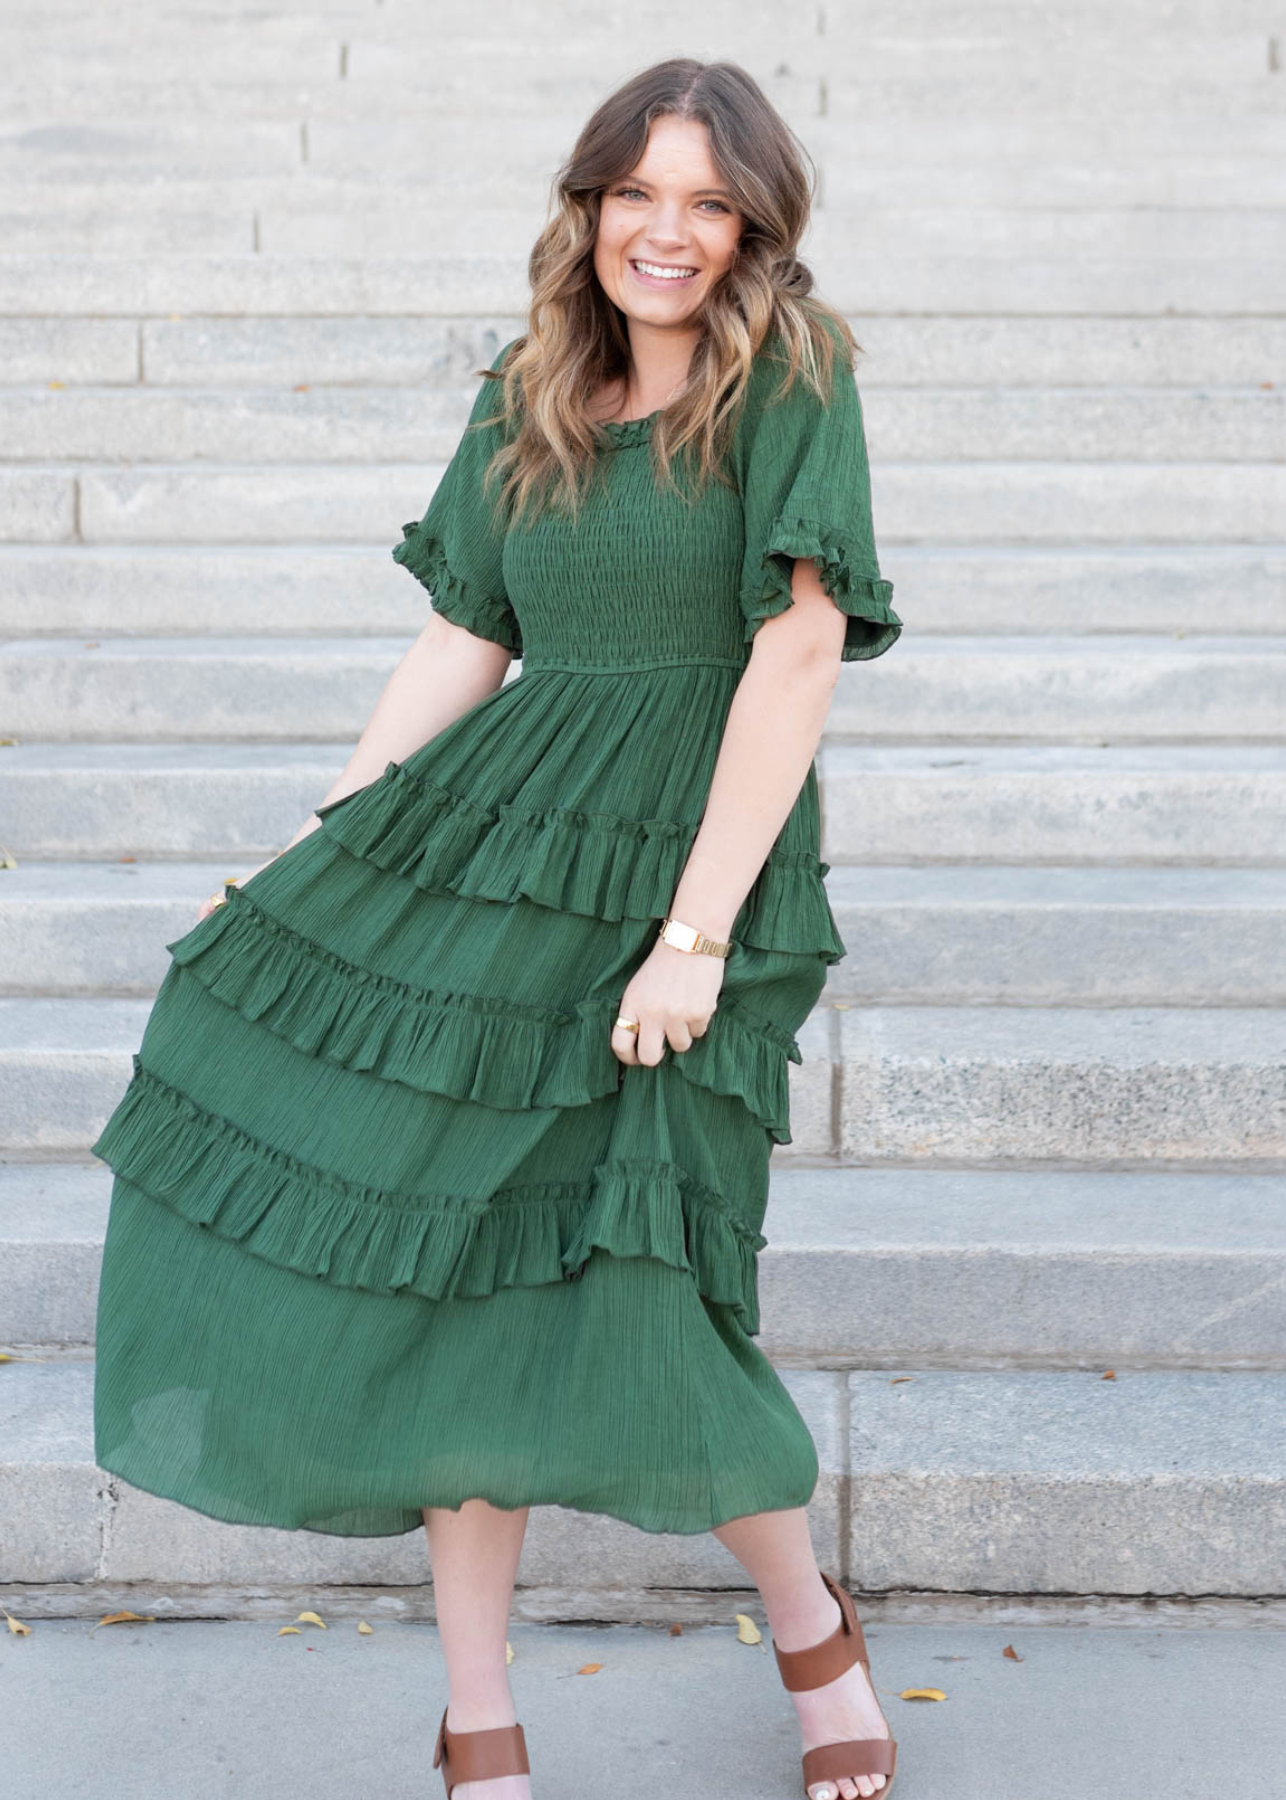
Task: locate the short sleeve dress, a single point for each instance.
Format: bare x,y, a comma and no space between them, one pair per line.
391,1225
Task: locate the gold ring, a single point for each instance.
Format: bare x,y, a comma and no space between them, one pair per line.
628,1024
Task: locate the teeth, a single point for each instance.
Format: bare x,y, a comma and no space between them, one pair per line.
665,274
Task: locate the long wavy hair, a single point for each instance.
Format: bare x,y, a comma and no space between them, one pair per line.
577,339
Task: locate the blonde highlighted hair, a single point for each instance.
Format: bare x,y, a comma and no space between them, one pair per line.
576,340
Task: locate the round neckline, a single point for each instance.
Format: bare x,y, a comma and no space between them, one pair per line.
631,431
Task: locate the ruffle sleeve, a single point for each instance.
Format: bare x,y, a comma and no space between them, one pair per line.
806,492
456,550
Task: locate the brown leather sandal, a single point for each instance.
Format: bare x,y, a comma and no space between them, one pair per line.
479,1755
813,1667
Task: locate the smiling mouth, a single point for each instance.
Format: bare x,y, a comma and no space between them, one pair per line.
659,274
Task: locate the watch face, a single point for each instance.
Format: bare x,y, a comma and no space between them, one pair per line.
683,937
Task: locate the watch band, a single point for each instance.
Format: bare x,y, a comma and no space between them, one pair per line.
688,938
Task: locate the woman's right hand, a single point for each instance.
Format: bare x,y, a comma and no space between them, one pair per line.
208,905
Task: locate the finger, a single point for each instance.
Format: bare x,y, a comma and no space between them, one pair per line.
625,1044
652,1044
676,1035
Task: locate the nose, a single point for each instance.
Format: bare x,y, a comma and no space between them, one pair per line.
665,228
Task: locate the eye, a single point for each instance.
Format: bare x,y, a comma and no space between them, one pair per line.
622,193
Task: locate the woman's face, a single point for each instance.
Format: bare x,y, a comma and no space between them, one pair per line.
671,212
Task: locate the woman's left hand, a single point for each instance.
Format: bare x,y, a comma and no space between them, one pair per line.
673,995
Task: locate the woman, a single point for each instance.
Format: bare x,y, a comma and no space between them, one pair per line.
440,1175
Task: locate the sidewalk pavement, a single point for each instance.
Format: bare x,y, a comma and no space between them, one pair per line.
198,1709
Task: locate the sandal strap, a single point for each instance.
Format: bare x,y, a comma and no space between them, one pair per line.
480,1755
859,1756
820,1663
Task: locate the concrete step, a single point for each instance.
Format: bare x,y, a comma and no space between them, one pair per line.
924,1085
1065,1467
1014,1086
1211,805
940,689
1023,503
942,353
908,75
219,1691
916,935
873,1267
1072,689
333,159
155,590
930,260
937,353
946,263
332,424
1051,936
1205,805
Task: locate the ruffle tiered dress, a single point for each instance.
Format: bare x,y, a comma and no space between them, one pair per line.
391,1226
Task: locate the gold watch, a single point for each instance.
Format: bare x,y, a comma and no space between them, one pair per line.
687,937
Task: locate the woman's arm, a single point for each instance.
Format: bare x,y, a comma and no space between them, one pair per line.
769,741
446,671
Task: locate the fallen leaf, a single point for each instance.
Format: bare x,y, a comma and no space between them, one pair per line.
290,1631
122,1618
898,1378
56,384
16,1626
676,1631
1110,1375
509,1652
127,859
922,1694
747,1631
90,644
1011,1653
309,1619
365,1629
302,388
589,1668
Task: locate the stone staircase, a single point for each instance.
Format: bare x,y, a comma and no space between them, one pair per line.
1027,1264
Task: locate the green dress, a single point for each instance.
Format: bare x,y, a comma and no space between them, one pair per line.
391,1225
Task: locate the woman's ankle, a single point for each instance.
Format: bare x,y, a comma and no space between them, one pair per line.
479,1705
802,1617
